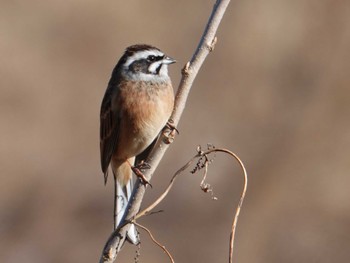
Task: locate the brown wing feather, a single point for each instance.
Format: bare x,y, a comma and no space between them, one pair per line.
109,129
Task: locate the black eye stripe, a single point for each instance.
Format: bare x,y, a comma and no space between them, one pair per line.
152,58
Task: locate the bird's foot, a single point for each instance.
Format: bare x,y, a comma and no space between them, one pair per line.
173,130
171,126
137,171
143,165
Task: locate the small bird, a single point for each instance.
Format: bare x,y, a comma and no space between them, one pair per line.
136,106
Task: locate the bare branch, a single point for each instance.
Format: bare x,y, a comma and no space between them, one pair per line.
206,44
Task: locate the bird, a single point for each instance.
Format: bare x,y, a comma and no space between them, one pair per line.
136,106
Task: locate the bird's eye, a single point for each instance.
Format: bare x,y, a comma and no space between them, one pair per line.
151,58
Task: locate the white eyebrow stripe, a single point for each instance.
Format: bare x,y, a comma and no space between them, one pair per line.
142,55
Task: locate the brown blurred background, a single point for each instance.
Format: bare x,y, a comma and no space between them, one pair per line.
275,91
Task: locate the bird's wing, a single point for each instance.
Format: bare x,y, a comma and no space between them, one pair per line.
109,129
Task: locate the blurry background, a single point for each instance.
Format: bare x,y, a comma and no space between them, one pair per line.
275,91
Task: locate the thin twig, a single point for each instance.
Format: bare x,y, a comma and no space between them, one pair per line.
148,210
238,209
155,241
182,169
190,71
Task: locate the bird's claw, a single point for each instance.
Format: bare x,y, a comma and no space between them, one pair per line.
171,126
139,174
143,165
171,135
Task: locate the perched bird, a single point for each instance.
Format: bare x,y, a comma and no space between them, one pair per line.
136,106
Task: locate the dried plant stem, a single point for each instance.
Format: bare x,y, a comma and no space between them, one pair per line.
149,209
155,241
238,209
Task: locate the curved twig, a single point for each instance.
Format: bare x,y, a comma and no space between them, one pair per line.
238,209
189,72
148,210
155,241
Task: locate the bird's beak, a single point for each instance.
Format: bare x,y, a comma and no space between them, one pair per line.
168,60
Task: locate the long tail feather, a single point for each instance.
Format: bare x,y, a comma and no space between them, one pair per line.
123,190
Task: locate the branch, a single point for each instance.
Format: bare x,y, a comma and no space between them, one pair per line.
189,72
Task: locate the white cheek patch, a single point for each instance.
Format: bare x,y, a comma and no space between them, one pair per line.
140,76
142,55
154,66
163,71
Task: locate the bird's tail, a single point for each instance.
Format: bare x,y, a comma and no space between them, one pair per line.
123,189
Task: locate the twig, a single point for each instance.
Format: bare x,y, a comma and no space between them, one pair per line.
148,210
238,209
200,154
155,241
206,44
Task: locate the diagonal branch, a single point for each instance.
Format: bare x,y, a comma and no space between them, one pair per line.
189,72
